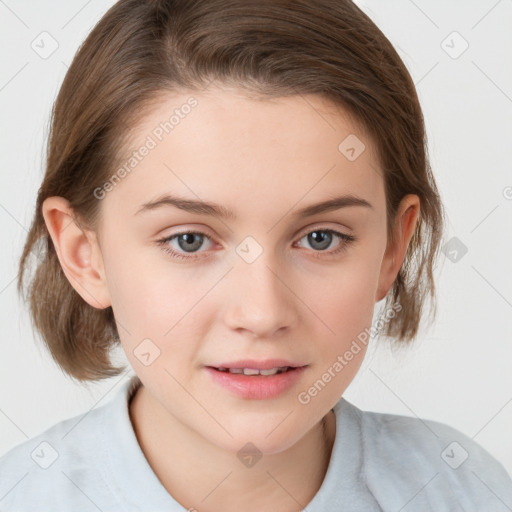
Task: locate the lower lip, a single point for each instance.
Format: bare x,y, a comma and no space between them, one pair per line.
257,387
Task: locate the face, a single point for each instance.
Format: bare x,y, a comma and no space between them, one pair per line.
264,282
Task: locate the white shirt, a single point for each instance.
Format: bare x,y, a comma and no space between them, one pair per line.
379,462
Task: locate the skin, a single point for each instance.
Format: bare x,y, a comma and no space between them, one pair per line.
264,160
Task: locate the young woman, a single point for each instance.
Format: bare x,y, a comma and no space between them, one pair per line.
231,187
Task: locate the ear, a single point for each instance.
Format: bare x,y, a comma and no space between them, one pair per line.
404,226
78,252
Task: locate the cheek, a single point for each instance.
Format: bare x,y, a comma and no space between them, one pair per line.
344,298
155,301
146,297
346,305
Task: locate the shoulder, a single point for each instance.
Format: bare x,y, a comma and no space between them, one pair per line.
63,466
430,461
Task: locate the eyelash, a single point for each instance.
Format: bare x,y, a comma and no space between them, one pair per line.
347,239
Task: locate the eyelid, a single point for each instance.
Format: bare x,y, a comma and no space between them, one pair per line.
321,226
345,239
299,234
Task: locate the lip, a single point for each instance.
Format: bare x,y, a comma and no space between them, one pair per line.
267,364
257,387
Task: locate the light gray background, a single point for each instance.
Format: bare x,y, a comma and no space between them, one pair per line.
460,371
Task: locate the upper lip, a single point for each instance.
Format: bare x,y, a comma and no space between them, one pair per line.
267,364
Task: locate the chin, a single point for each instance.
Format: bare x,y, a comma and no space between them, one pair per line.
266,437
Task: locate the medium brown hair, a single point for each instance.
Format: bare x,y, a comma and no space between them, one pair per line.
141,49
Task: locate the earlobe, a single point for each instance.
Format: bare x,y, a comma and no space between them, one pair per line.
405,224
78,252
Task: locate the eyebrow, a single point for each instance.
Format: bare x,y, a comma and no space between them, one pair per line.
216,210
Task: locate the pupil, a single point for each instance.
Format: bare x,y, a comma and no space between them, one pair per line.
188,239
324,238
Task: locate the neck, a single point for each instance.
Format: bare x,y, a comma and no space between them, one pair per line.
205,477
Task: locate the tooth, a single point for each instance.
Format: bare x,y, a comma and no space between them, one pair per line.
250,371
236,370
272,371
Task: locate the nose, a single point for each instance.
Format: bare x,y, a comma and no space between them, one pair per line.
259,298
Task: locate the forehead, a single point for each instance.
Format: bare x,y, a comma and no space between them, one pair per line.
244,152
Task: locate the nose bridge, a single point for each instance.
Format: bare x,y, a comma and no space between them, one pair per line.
260,301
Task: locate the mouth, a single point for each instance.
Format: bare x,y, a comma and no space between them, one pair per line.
256,383
255,371
256,367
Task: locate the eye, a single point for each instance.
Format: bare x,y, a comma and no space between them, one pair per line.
321,239
187,243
